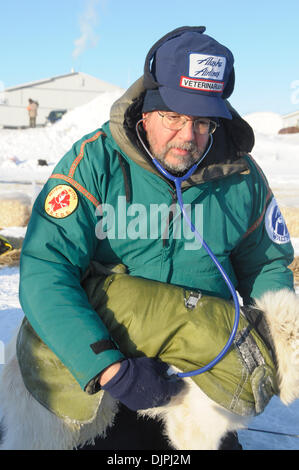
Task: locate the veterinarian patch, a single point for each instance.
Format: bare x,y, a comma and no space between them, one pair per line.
275,224
61,201
206,72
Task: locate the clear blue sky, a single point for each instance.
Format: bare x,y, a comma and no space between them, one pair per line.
39,39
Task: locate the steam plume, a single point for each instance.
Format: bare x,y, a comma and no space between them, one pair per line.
88,21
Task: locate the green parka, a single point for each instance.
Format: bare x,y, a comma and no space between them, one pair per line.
123,213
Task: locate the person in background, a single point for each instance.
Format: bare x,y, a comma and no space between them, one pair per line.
32,112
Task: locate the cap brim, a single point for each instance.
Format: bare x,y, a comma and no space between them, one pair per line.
194,104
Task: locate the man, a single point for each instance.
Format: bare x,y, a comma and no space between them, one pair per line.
178,114
32,112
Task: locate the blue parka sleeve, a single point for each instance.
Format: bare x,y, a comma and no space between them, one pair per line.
55,254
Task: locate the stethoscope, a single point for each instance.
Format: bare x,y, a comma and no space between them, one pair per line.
177,180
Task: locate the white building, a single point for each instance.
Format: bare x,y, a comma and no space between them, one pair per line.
291,119
60,92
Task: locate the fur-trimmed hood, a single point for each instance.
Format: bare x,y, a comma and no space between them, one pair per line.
233,139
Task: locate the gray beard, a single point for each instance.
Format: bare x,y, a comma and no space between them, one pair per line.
186,161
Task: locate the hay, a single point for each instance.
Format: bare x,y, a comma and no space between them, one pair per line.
291,216
10,258
15,209
295,268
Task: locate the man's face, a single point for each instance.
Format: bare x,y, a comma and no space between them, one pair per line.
176,150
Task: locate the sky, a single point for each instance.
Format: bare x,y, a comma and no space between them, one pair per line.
110,39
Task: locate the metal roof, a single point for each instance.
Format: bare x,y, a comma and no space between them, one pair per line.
40,82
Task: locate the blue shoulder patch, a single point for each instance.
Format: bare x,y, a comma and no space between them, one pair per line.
275,224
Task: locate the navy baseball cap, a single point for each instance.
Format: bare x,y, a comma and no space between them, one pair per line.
192,73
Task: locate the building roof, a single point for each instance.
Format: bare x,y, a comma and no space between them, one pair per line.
52,79
295,113
40,82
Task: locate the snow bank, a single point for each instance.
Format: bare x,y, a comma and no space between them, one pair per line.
20,150
278,155
264,123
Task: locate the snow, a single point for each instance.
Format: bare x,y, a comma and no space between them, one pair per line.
264,123
10,310
14,232
20,150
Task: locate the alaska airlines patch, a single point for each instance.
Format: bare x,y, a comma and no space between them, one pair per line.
275,224
61,201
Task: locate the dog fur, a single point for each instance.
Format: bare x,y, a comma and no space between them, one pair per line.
281,310
192,420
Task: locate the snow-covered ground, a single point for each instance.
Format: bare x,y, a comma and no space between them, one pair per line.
20,150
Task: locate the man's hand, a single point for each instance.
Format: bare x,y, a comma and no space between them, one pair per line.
140,383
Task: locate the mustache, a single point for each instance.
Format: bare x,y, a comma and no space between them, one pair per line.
189,146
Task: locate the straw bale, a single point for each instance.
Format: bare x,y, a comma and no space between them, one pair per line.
15,210
295,268
10,258
291,216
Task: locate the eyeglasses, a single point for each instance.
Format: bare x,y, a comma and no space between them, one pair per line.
176,122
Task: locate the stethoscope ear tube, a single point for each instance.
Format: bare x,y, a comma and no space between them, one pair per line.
178,181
